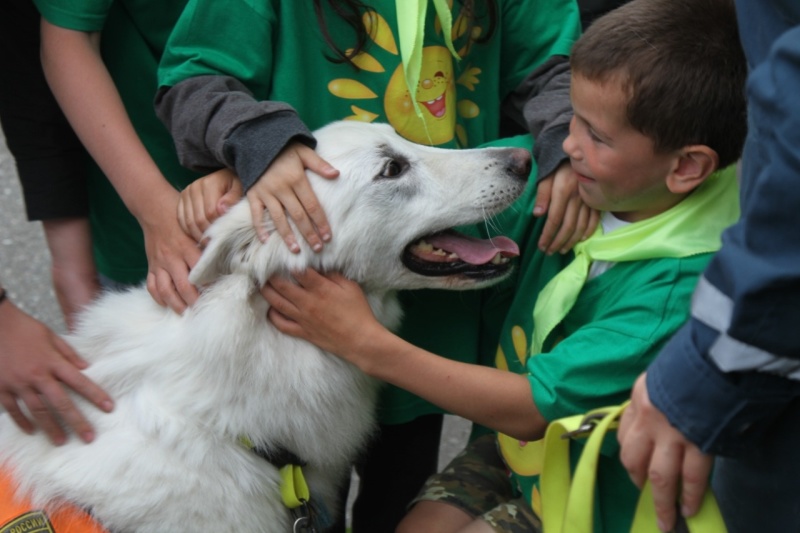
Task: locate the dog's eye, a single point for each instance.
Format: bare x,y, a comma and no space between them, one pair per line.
392,169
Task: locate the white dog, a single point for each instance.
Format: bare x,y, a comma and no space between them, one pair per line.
191,389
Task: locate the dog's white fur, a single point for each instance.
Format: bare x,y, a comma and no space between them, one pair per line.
168,458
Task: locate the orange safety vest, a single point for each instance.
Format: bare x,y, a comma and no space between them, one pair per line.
19,516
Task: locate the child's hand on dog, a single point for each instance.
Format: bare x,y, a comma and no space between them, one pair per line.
312,309
284,190
569,220
205,200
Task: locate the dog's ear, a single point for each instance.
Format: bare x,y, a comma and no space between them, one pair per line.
230,238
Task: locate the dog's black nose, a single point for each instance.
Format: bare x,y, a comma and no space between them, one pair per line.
519,163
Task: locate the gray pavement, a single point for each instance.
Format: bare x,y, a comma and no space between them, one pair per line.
24,259
25,273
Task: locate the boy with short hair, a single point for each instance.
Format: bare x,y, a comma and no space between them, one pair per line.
658,95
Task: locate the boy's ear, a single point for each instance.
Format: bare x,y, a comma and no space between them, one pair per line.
694,164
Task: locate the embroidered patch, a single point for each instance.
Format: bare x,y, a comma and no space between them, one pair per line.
32,522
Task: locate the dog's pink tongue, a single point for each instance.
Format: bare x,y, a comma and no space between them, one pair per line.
472,250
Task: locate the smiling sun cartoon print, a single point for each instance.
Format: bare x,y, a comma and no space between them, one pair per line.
435,92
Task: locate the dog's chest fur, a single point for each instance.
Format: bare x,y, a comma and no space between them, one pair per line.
186,388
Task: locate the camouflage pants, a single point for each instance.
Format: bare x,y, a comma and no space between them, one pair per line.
477,482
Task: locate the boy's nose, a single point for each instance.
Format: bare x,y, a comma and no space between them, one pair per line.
569,145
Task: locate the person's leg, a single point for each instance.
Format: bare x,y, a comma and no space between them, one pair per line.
435,517
50,160
760,491
396,465
73,269
472,493
515,516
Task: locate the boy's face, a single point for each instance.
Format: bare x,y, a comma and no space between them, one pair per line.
618,169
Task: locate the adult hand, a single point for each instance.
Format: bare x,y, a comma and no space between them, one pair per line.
38,366
312,310
205,200
284,190
569,220
651,448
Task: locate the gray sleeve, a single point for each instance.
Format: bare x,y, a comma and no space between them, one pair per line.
541,105
216,122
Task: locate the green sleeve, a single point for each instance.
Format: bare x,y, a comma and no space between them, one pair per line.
231,38
79,15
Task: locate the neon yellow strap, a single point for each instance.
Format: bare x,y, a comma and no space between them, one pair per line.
556,478
707,520
294,489
568,500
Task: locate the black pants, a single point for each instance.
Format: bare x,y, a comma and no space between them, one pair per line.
51,161
391,473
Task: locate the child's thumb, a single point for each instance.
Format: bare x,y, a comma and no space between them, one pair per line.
229,199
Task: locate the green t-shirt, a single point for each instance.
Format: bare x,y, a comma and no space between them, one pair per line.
278,51
134,33
617,327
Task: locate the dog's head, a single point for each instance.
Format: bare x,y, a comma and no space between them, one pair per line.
390,211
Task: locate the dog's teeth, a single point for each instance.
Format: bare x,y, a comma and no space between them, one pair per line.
453,256
439,251
424,246
499,259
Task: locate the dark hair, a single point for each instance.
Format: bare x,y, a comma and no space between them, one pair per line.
681,64
351,11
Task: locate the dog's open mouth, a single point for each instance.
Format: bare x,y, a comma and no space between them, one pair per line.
449,252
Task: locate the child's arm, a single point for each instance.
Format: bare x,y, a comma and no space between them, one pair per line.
312,310
215,121
89,98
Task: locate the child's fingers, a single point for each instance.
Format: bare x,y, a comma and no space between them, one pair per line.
188,220
233,195
297,212
544,192
591,226
43,417
182,218
9,403
66,351
578,231
555,215
60,403
312,161
318,227
163,290
208,203
567,228
275,293
257,212
152,288
87,388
